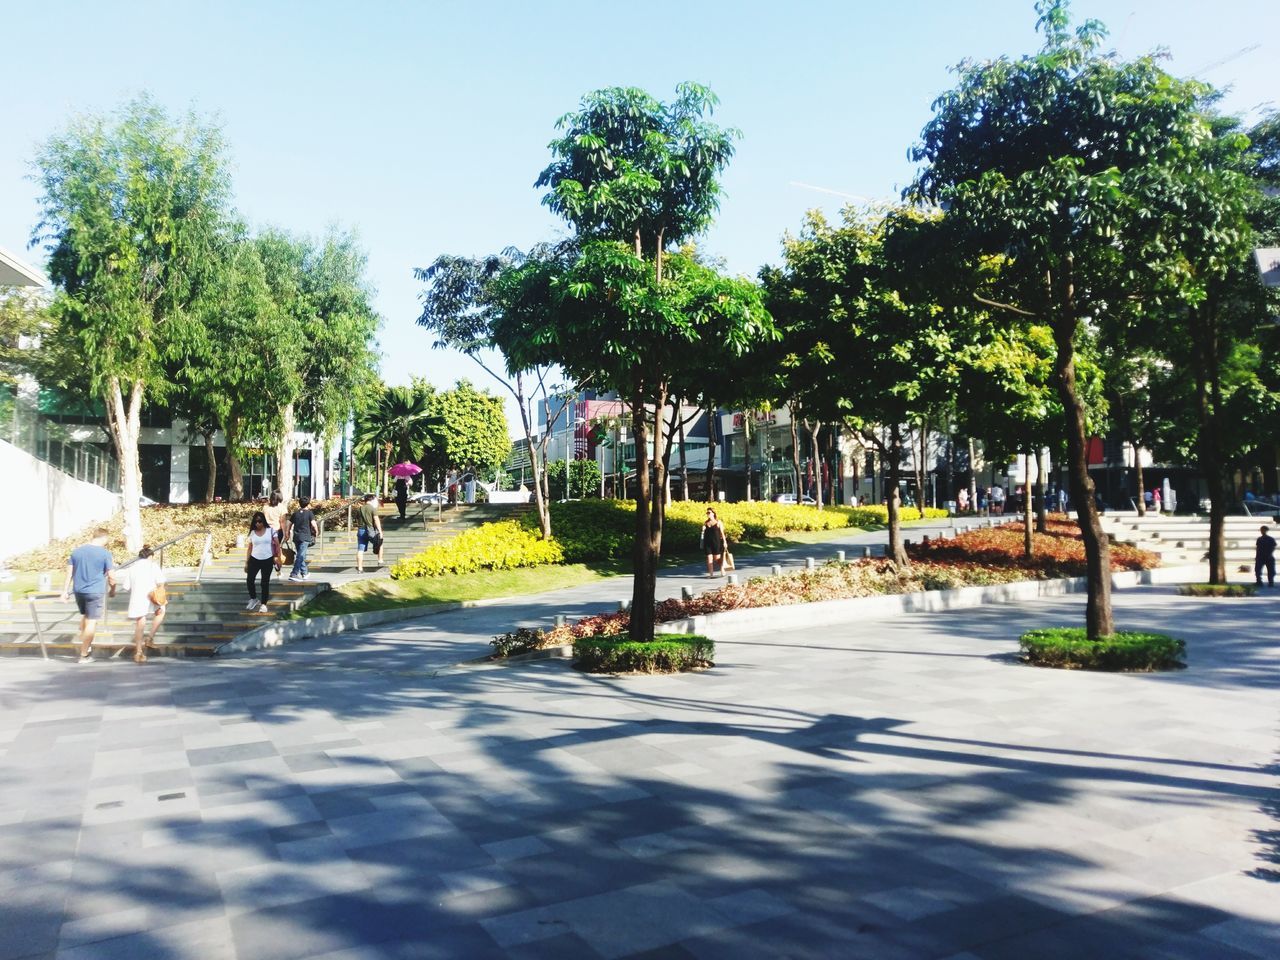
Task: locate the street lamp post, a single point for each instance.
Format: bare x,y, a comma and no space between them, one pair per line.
570,444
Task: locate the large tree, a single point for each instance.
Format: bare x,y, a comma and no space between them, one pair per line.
461,302
635,178
1056,161
132,205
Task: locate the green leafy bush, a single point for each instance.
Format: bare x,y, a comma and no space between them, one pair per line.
503,545
520,640
672,653
1070,648
1218,590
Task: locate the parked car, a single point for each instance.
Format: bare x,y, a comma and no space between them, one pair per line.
807,500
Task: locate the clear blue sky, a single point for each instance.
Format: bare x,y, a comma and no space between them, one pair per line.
423,125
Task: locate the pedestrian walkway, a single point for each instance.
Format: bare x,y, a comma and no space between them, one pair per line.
885,789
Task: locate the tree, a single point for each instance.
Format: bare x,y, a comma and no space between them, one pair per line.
584,478
858,349
22,316
399,425
321,350
1056,162
131,208
472,430
635,178
461,303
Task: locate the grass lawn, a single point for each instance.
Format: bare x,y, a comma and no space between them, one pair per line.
24,583
382,594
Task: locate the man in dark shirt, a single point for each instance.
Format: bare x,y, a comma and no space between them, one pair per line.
1264,558
304,531
90,578
370,527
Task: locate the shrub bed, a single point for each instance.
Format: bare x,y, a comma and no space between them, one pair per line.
1058,553
503,545
603,529
1218,590
1070,648
160,523
671,653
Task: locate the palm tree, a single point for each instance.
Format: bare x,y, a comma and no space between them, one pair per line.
400,424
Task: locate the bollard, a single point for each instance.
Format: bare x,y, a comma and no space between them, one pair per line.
239,541
808,563
776,569
926,538
686,593
840,556
6,600
906,542
866,553
731,579
44,583
559,619
624,606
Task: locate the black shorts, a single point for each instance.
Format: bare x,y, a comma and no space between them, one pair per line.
91,605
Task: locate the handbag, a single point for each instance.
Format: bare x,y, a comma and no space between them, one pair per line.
159,596
727,562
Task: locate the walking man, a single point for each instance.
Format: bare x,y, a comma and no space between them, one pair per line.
304,532
370,534
1264,558
89,572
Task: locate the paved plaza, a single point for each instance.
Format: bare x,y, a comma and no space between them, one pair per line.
887,789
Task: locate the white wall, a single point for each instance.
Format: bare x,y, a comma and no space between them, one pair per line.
44,503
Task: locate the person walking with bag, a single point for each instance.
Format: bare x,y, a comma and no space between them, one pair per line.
147,598
1264,558
369,536
713,541
89,571
304,530
262,554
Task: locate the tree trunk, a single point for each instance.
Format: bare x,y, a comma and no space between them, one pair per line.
1208,446
235,473
814,432
1027,545
540,501
284,452
795,453
893,498
1042,511
746,450
684,463
713,448
920,472
1142,489
644,581
1098,616
211,487
124,422
973,477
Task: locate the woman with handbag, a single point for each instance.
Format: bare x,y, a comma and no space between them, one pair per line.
714,543
147,598
262,554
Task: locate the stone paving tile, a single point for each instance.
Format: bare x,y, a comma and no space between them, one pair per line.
884,790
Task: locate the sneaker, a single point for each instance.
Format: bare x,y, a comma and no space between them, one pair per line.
293,579
86,657
251,605
264,609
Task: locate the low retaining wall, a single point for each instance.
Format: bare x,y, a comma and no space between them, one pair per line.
725,625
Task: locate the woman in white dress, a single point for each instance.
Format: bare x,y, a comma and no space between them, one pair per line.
145,576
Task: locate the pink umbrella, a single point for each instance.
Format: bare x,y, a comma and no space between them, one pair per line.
405,469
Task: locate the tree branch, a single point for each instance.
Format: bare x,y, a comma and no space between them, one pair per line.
1004,306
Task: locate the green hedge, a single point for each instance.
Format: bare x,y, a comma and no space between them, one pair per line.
503,545
1218,590
601,529
668,653
1070,648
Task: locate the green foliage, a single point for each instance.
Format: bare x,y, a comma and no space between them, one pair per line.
584,479
473,430
1218,590
400,422
492,546
21,315
672,653
1070,648
520,640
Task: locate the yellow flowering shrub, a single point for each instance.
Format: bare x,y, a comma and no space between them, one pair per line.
503,545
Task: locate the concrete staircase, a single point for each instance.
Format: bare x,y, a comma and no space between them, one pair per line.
1184,539
203,616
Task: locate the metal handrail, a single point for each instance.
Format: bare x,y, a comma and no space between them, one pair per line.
1271,507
